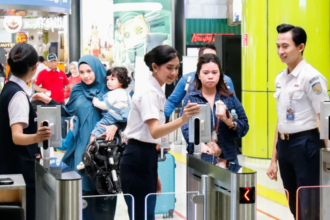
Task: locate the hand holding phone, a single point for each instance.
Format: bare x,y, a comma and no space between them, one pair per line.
227,114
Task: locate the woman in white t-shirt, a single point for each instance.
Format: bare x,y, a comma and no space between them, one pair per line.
145,127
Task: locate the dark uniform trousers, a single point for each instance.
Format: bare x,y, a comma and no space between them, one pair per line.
299,163
138,175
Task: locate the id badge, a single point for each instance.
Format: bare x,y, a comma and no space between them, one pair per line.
290,110
214,136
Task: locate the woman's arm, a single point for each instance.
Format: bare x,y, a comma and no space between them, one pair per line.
66,141
158,131
242,122
19,138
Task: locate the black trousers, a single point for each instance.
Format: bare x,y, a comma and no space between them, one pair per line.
138,175
99,207
30,203
299,163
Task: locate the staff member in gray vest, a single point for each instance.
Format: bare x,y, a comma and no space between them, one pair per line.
19,133
299,91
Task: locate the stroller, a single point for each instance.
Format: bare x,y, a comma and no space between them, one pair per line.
101,160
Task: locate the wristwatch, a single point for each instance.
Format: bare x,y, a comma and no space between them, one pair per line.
233,125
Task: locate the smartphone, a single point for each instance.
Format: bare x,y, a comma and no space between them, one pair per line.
227,113
6,181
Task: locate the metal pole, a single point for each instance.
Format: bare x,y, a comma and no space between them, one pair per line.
209,195
74,31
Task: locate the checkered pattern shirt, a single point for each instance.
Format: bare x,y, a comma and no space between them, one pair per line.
226,137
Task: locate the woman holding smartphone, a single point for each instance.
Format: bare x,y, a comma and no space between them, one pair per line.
19,133
145,127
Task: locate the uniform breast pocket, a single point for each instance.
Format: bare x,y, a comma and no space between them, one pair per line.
300,101
297,94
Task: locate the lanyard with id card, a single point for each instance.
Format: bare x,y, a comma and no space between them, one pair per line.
290,108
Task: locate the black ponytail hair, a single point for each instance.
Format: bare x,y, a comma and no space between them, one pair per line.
122,74
160,55
21,58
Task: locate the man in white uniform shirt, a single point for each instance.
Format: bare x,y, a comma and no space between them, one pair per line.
299,91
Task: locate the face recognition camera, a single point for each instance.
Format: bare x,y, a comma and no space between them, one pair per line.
50,116
200,128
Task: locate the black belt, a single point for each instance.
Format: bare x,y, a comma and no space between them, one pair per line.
298,134
137,142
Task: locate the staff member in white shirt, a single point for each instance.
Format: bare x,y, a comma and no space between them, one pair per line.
145,127
299,91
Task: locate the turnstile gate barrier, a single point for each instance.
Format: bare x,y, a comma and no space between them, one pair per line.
227,193
58,193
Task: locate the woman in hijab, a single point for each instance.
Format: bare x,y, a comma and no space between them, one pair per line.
73,79
93,74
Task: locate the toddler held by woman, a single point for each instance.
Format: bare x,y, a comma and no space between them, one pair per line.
115,102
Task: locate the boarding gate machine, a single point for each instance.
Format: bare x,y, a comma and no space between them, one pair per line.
225,193
58,188
325,159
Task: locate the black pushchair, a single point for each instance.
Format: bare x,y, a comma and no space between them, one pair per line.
101,160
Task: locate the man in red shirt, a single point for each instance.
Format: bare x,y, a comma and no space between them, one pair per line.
52,79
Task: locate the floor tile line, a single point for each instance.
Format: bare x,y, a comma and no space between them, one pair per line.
180,215
269,215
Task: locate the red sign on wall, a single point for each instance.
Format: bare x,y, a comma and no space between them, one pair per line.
245,40
205,37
